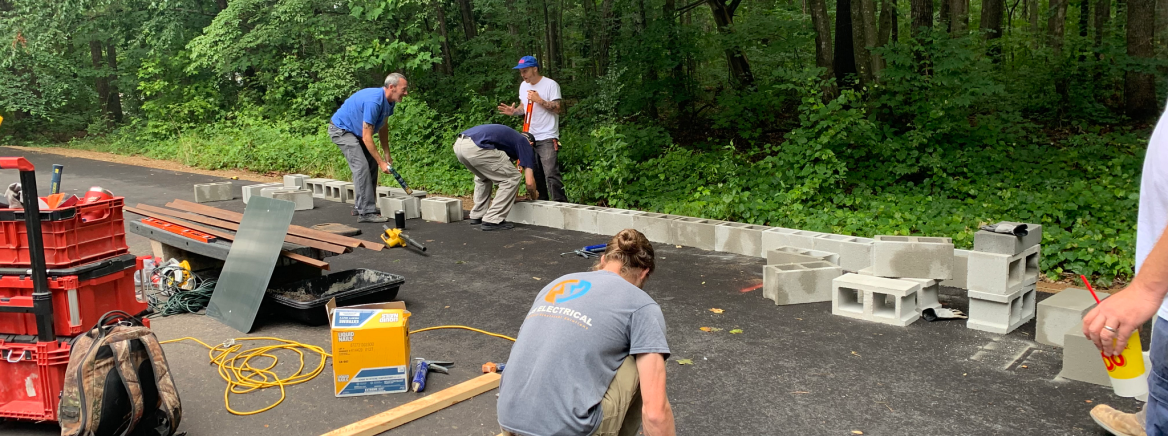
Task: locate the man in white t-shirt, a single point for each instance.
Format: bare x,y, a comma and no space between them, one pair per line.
544,94
1111,323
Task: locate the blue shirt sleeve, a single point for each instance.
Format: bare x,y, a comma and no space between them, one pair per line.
525,152
373,114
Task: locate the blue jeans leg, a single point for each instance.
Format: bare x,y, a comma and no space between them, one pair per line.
1157,407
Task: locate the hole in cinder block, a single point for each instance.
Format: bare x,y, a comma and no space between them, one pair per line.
810,265
1028,302
1032,264
932,240
1016,310
884,305
851,300
1017,271
895,239
788,267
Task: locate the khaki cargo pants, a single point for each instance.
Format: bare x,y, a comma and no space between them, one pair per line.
489,167
621,406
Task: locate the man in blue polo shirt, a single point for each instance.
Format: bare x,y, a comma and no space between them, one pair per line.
351,128
487,151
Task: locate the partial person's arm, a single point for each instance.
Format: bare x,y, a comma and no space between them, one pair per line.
367,138
383,135
512,110
1133,306
552,106
529,180
656,414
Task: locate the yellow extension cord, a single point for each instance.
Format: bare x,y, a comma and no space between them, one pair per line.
242,377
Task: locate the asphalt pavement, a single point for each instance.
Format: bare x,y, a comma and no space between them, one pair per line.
793,370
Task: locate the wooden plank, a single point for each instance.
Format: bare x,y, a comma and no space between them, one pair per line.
332,248
418,408
225,235
294,229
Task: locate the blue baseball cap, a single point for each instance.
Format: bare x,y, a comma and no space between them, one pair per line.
526,62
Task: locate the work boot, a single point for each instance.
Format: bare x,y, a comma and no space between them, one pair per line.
476,221
503,225
1116,422
372,218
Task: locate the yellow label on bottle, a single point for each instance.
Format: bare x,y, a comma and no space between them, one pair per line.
1130,363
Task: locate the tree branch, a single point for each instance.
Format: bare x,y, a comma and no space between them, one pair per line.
688,7
733,6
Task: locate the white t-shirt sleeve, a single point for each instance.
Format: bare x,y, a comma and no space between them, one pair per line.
553,92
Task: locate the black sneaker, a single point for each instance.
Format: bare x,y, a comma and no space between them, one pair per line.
476,221
487,227
372,218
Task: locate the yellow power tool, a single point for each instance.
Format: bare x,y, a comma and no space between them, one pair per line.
394,238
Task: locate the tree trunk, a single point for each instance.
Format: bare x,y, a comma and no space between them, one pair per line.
823,55
468,23
549,64
944,17
887,18
740,74
991,18
221,3
589,26
1102,15
959,17
896,25
870,37
1056,24
114,102
604,37
1139,91
922,16
101,82
1084,17
859,44
447,62
844,54
1032,15
1161,28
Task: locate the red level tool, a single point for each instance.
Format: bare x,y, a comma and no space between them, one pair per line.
179,230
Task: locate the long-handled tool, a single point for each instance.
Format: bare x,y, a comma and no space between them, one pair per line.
527,117
400,180
423,368
394,237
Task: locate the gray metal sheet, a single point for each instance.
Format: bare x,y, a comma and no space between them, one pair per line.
249,265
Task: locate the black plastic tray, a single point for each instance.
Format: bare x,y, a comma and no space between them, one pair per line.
304,301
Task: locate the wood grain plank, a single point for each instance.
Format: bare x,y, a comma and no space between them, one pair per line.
294,229
332,248
410,411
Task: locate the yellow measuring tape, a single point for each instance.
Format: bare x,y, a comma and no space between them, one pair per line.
244,371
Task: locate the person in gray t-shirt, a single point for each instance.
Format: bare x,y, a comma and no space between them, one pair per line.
590,356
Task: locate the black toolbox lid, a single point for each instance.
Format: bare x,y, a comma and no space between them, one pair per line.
83,272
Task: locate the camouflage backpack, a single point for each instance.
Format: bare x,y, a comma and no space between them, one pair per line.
118,383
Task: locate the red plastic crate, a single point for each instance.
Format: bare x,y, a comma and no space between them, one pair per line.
31,379
78,303
69,239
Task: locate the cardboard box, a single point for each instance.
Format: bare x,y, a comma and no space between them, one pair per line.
371,348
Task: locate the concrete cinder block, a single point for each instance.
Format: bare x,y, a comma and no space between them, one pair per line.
295,181
797,283
302,198
269,191
784,255
387,206
1002,274
784,237
927,298
548,214
960,277
385,192
655,226
349,193
1001,314
1060,312
418,193
255,190
1081,360
334,191
739,238
610,221
580,218
441,209
990,242
855,253
218,191
694,232
522,212
912,256
876,299
316,185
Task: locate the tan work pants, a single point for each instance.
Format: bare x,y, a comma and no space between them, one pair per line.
621,406
489,167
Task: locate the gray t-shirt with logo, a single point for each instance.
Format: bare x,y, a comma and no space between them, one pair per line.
578,332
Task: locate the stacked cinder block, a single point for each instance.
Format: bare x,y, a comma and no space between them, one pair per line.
920,260
297,181
1061,312
876,299
302,198
335,191
349,194
855,253
784,237
218,191
412,206
927,298
316,186
256,190
441,209
797,283
1002,274
782,255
